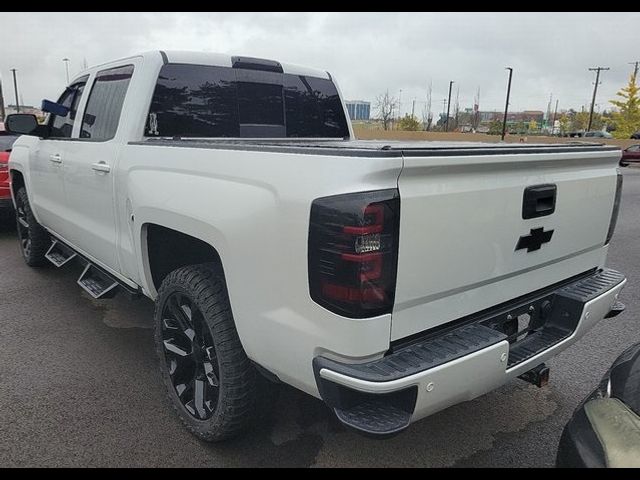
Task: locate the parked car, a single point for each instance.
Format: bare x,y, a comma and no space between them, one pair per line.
390,279
630,155
604,431
635,136
6,143
590,134
598,134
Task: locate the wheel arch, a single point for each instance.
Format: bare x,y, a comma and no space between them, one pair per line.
164,249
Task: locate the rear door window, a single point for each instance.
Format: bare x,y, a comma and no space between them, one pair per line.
209,101
104,106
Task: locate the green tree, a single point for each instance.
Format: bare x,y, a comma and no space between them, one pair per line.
565,123
495,128
409,122
627,117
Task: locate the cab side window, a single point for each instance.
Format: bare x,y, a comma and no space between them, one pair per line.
61,127
102,113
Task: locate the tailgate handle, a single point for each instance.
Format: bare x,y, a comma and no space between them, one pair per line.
539,201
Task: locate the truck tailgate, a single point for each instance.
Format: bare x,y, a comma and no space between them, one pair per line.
462,219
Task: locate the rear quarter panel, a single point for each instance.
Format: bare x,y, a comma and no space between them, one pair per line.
253,208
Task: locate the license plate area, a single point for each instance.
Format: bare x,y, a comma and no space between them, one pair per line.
520,321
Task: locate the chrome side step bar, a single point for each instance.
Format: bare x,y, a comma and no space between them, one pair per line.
59,254
97,283
93,280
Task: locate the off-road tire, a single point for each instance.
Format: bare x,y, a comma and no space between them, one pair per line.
237,377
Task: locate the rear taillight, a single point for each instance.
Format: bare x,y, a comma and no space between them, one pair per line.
616,209
353,252
4,161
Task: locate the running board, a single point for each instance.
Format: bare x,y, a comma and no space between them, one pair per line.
97,283
59,254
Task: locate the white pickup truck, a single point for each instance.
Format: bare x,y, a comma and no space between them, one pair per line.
389,279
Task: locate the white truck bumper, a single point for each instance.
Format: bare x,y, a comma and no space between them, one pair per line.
416,380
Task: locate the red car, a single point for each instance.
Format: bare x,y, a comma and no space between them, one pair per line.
6,142
630,155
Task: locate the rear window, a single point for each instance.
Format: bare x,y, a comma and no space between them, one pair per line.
208,101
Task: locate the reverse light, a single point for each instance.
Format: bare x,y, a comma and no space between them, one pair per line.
353,245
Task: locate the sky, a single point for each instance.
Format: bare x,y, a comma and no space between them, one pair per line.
368,53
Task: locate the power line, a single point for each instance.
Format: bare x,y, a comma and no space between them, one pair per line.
595,91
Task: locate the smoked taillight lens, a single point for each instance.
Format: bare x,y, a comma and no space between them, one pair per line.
353,252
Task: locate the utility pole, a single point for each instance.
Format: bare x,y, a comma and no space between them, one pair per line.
553,122
635,68
66,66
595,90
2,112
444,106
15,87
506,105
446,124
457,107
400,104
413,107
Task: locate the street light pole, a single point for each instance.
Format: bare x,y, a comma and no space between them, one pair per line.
15,88
446,122
66,66
595,90
506,105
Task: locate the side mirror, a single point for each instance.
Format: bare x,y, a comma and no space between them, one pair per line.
21,124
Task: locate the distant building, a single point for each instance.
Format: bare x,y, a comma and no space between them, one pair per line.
358,109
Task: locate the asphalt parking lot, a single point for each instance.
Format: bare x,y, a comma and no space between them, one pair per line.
79,387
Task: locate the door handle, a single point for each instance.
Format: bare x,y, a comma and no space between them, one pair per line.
539,201
55,158
101,167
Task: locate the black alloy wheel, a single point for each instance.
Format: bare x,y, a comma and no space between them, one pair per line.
23,230
190,356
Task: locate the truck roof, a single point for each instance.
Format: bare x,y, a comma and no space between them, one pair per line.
212,59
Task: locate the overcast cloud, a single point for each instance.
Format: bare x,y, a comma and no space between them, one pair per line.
367,52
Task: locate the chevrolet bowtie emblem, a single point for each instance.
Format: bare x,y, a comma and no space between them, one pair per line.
534,240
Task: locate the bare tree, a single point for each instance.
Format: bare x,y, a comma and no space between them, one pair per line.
385,105
427,114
